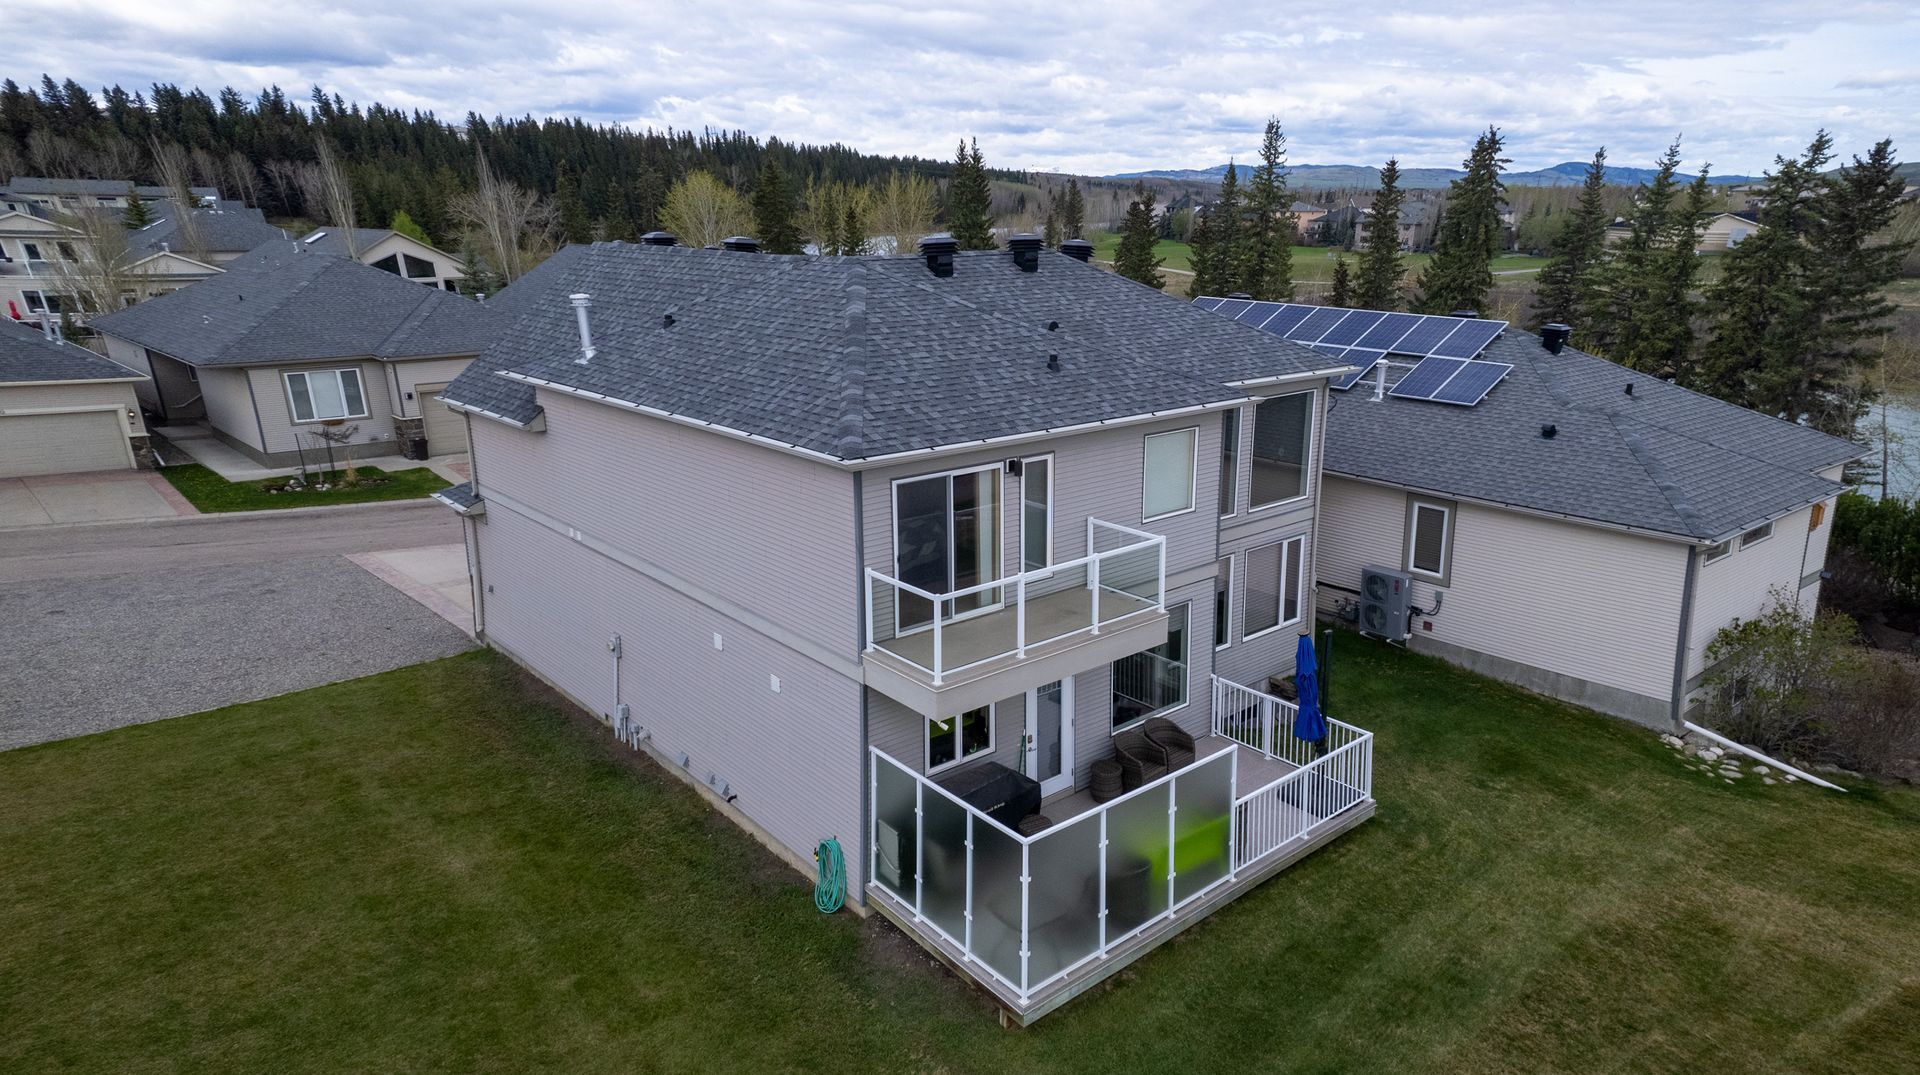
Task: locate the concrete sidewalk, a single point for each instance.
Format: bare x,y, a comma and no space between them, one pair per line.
108,496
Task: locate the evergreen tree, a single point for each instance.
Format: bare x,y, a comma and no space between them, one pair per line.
477,277
1465,240
1265,260
773,222
570,211
970,200
405,225
1380,271
1134,260
1206,257
1342,293
136,215
1578,249
1050,232
1638,300
1074,218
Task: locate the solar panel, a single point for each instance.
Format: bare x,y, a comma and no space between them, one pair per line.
1362,358
1331,350
1208,302
1388,331
1289,316
1471,385
1424,337
1345,380
1352,327
1426,378
1232,307
1468,340
1316,325
1258,313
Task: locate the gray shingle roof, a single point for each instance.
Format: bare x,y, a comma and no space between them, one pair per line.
863,357
223,231
40,184
1665,459
460,498
332,241
277,304
26,355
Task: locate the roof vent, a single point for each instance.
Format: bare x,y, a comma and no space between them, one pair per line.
1240,295
1549,431
659,238
1053,363
1026,251
1555,336
1463,313
1077,249
740,243
939,249
581,302
1053,326
1629,388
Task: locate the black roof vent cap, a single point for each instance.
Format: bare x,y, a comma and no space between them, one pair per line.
939,249
1053,363
1077,249
1463,313
1549,431
1053,326
1240,295
1629,388
659,238
741,243
1026,251
1554,336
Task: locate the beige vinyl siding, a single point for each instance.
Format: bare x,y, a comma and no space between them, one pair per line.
1361,525
131,355
444,427
276,419
1741,585
411,375
229,409
77,395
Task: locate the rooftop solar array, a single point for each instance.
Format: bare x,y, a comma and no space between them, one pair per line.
1364,336
1464,382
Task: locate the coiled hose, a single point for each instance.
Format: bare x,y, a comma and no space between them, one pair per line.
830,891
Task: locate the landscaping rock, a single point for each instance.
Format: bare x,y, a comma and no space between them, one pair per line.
1762,770
1768,780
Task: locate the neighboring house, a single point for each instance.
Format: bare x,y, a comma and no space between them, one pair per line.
287,342
66,195
64,408
1584,530
908,551
1719,232
1307,217
1415,226
401,255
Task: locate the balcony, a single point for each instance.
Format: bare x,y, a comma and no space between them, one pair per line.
1036,920
945,653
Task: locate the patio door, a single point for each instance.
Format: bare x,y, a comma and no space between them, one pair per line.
946,537
1050,736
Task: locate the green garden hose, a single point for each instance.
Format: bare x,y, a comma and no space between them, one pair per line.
830,891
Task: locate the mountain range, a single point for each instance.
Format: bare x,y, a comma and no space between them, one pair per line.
1362,176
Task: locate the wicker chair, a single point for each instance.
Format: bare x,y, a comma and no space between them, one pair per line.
1172,740
1141,760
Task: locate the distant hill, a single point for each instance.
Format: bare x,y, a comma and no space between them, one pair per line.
1361,176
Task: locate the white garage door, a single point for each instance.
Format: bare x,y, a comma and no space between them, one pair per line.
60,443
446,430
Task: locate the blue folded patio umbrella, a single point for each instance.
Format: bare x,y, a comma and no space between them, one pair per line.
1308,724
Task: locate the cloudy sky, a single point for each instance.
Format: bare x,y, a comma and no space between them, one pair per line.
1085,87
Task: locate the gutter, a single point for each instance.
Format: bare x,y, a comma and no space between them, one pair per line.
536,424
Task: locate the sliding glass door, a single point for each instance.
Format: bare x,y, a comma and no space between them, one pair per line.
946,537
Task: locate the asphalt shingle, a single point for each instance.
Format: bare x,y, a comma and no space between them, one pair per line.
26,355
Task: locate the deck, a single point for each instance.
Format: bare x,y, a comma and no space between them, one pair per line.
1251,770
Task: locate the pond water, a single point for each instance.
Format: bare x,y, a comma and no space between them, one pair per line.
1902,423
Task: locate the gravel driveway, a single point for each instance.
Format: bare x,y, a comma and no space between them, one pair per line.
81,655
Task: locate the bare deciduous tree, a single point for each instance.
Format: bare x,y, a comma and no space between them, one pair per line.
170,161
903,208
513,227
244,180
334,194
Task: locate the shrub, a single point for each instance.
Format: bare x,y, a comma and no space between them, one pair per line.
1886,534
1872,724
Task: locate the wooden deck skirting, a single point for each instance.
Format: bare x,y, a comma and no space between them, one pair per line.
1013,1013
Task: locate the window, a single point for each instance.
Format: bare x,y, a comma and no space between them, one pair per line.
33,251
1282,439
1756,535
1223,604
320,395
1036,513
66,251
1153,681
1276,583
416,268
390,263
36,301
955,739
1229,462
1429,538
450,285
1167,485
946,537
1720,551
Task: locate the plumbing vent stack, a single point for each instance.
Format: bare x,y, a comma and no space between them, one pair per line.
581,303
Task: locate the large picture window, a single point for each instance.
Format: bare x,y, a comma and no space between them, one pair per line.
1276,586
1167,482
955,739
946,537
1153,681
1282,440
321,395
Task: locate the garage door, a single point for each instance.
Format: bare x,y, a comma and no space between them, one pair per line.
446,430
61,443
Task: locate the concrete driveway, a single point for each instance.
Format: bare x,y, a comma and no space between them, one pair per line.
104,496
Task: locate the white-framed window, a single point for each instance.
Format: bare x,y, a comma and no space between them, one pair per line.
1274,594
1223,604
955,739
36,301
1756,535
946,538
1282,447
1229,462
323,395
1429,538
1153,681
1720,551
32,251
1036,512
1167,473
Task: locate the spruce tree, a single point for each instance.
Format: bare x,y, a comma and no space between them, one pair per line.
1050,233
1205,257
1265,261
1378,287
970,201
1342,292
1580,246
773,223
1134,260
136,215
1461,272
1074,218
571,212
1630,295
1660,336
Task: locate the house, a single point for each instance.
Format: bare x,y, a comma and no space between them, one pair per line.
1719,232
63,408
1416,225
288,342
68,195
1306,218
930,554
389,250
1583,530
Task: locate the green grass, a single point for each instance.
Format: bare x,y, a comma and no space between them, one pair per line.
208,491
433,869
1311,264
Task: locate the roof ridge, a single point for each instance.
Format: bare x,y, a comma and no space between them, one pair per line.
1636,446
850,427
420,312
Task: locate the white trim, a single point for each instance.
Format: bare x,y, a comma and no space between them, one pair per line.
1765,530
1307,461
1021,492
1193,474
959,758
1232,481
1413,538
999,531
1280,598
1310,375
1726,550
359,379
536,424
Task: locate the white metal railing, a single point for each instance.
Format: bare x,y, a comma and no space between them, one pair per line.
1265,723
1134,569
1329,777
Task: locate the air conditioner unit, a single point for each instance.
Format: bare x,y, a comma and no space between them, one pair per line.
1386,603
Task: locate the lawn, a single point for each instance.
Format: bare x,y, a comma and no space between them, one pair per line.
208,491
1311,264
435,869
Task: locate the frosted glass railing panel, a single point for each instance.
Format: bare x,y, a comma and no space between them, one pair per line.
943,863
1202,826
894,830
1136,861
996,900
1063,900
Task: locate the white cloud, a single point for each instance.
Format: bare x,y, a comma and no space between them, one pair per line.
1096,87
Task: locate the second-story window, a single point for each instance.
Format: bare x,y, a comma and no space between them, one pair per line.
1229,462
1282,443
1275,588
1036,513
1167,479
